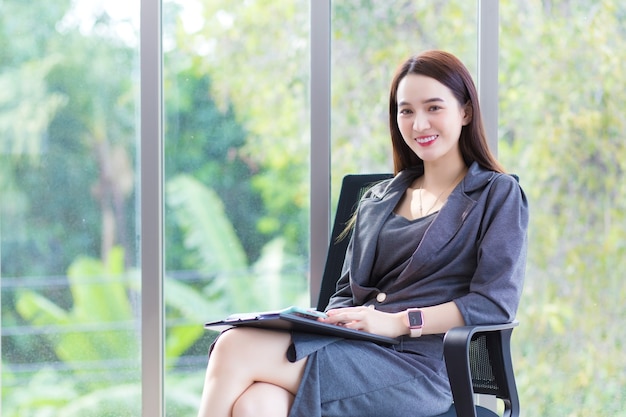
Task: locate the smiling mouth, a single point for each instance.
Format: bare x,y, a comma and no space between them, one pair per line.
424,140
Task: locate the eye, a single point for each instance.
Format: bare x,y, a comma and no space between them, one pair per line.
434,108
404,112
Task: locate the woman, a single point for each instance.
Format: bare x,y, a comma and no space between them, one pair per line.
442,244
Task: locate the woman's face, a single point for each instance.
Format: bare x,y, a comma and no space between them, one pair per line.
430,118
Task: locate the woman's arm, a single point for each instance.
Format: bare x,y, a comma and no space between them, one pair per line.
496,285
437,319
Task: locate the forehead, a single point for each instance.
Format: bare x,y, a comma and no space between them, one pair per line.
418,88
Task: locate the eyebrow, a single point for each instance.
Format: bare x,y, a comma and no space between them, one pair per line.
428,100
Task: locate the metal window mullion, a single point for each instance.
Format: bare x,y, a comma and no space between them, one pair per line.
151,161
488,38
488,47
320,143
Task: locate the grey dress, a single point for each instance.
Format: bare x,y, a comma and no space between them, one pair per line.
396,381
472,252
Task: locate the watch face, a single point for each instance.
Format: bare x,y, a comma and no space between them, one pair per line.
415,319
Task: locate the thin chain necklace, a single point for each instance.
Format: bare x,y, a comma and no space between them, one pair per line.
438,197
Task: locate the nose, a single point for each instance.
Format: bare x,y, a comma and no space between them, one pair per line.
420,123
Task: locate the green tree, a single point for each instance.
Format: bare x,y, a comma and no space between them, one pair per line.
84,149
27,107
244,70
204,142
562,126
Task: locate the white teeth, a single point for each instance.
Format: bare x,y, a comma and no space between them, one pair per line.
427,139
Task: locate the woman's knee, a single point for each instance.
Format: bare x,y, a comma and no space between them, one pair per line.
226,342
255,355
263,400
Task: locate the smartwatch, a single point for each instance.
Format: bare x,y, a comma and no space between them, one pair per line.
416,321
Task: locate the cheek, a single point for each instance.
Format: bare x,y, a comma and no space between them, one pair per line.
404,126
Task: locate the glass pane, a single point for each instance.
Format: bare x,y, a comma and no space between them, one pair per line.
236,78
369,40
68,211
562,128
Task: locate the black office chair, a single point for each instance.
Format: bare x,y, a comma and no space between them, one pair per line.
478,358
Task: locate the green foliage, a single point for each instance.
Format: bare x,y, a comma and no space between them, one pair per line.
99,297
200,213
24,95
24,31
244,71
234,284
562,125
95,340
66,137
205,142
99,326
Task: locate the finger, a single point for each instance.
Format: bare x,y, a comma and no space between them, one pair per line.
356,316
341,310
333,319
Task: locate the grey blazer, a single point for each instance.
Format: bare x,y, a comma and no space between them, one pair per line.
473,253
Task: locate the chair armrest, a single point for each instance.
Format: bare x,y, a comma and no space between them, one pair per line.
456,347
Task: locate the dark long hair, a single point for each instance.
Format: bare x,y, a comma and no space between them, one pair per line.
449,71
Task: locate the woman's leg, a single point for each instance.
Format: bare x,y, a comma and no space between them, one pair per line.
263,400
241,357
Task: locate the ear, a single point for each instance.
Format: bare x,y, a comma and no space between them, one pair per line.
468,112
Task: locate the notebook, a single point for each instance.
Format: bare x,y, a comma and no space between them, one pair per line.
296,319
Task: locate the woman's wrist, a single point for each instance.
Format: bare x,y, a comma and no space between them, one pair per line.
402,320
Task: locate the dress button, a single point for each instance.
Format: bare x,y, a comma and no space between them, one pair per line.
381,297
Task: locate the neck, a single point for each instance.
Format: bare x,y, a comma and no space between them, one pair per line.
438,176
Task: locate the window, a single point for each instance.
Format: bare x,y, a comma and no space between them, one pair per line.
562,128
237,139
68,211
240,190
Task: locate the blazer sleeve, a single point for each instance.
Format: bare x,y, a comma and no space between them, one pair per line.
496,285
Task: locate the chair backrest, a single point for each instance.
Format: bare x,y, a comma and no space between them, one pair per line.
352,189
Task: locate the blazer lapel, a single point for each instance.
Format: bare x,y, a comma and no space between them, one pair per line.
449,220
443,229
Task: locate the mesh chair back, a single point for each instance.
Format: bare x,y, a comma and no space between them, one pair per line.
487,363
483,378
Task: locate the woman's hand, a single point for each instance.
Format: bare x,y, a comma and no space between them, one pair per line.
369,320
